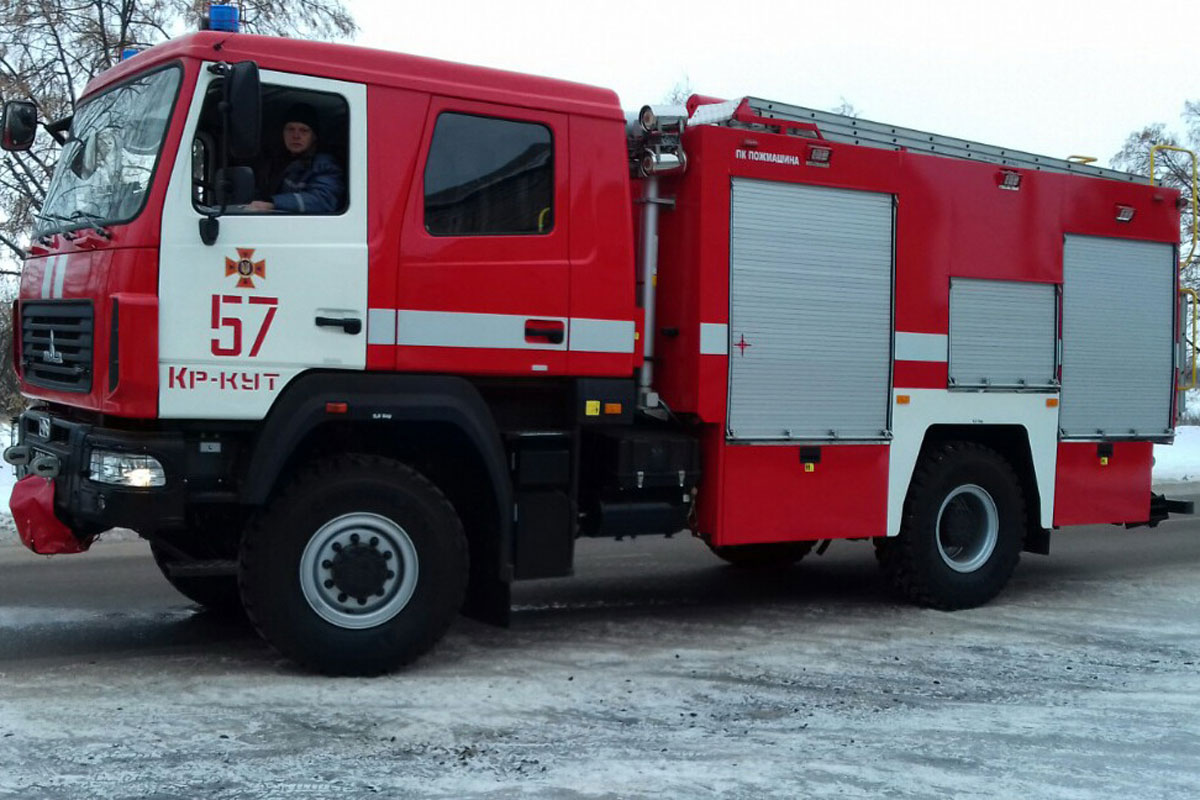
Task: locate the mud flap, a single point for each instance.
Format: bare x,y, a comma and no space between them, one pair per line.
32,507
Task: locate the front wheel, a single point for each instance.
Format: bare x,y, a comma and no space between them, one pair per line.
358,567
962,531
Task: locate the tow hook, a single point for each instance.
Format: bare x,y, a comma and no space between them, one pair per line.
18,455
44,466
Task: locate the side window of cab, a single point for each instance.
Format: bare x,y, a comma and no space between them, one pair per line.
488,176
303,160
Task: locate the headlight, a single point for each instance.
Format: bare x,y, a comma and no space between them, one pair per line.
124,469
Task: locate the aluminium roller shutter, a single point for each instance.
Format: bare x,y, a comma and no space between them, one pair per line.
1003,334
810,312
1118,337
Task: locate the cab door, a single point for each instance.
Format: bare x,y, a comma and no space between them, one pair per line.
484,274
277,293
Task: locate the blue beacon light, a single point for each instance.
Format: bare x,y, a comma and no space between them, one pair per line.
223,17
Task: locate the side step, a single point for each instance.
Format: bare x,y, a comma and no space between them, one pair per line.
203,569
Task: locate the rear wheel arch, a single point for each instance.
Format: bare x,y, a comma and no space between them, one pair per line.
1013,443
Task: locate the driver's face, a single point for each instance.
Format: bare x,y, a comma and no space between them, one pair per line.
298,138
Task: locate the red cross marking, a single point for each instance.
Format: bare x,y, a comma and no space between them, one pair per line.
743,344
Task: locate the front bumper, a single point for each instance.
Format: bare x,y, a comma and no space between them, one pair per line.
59,450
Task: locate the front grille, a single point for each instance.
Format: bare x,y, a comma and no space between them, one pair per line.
56,344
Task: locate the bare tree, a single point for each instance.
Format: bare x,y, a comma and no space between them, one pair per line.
1172,169
50,49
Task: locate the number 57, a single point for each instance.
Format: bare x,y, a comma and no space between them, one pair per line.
233,323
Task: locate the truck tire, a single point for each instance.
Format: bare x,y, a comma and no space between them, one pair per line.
357,567
763,556
218,594
962,530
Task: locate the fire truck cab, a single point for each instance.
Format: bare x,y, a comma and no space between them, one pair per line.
524,318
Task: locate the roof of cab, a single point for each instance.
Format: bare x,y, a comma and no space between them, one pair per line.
374,67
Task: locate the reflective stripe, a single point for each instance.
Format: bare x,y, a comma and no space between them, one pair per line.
714,339
920,346
59,277
381,326
416,328
602,335
462,329
48,275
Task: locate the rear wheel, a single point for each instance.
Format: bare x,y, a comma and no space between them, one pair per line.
356,568
763,556
962,530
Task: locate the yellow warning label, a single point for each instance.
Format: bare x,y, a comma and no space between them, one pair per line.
810,467
592,408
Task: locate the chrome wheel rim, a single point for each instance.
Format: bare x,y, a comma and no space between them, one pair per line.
359,570
968,527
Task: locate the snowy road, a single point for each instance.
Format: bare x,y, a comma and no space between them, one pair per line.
655,673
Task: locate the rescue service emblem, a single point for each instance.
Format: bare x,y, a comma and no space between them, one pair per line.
246,268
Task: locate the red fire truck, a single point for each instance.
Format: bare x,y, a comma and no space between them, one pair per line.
530,319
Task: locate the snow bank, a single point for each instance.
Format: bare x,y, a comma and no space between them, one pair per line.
1179,461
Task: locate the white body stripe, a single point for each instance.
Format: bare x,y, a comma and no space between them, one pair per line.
601,335
60,276
921,346
381,326
417,328
461,329
928,407
714,339
48,275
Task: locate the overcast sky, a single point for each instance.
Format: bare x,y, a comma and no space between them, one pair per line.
1052,77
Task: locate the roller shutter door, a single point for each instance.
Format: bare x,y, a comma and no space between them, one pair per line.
1118,349
810,312
1003,334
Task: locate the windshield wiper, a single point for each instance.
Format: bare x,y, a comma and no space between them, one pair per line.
89,221
93,221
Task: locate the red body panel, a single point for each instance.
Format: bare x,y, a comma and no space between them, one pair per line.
952,220
1088,492
767,496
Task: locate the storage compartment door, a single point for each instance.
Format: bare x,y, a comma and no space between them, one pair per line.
1003,334
810,312
1118,345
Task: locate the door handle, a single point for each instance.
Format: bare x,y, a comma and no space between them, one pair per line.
545,330
350,325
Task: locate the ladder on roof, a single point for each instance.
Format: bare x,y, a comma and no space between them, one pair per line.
840,128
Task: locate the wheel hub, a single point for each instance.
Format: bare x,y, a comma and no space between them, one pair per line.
968,527
358,570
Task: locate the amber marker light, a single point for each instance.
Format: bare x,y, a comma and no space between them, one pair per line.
902,399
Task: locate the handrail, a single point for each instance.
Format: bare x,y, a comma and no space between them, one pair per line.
1195,325
1195,216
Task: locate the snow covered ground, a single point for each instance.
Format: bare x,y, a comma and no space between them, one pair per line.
655,673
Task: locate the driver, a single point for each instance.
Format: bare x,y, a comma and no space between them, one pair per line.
305,181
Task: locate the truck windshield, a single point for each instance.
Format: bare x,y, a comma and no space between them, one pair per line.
105,168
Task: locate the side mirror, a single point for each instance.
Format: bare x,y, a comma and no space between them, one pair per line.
243,105
234,186
19,125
